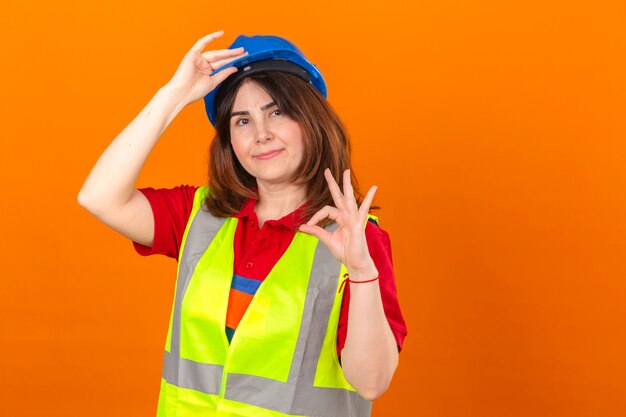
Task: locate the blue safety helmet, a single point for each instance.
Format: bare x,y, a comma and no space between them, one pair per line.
264,53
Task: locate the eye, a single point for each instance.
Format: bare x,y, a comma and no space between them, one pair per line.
276,112
241,122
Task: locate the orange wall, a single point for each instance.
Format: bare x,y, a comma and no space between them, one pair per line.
495,131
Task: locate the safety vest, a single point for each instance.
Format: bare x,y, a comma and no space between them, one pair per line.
282,360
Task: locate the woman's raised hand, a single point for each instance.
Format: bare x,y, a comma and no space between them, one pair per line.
192,78
347,243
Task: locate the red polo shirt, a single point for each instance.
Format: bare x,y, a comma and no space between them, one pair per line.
257,250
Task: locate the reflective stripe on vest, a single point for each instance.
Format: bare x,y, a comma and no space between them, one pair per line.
310,383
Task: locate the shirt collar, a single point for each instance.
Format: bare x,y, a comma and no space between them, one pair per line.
291,220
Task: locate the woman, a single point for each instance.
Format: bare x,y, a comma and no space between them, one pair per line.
266,321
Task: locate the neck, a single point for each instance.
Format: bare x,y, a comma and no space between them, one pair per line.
276,201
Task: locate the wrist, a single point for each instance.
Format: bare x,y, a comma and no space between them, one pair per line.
363,274
176,96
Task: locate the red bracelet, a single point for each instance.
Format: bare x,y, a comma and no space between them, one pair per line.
347,278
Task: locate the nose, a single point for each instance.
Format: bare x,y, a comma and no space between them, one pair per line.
263,132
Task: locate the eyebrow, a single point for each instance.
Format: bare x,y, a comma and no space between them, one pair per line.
263,107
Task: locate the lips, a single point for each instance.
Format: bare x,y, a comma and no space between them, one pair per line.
268,154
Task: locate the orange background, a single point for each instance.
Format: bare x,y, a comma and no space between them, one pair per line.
494,130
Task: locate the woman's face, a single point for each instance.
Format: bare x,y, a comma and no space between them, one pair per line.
268,144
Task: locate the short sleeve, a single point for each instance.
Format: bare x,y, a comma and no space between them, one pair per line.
379,246
171,208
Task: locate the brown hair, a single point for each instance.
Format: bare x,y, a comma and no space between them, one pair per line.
326,145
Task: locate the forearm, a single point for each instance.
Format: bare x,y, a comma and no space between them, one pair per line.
370,354
112,179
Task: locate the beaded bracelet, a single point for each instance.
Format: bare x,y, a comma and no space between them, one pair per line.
347,278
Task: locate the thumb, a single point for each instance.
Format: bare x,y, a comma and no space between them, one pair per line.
222,75
316,231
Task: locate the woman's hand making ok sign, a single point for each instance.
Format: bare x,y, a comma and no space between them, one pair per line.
347,243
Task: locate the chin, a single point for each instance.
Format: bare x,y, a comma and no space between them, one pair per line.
274,179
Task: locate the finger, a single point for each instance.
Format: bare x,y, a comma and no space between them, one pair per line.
335,192
323,213
318,232
220,63
220,76
222,53
348,191
202,42
367,202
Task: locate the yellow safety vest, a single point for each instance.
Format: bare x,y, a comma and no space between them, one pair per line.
282,360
